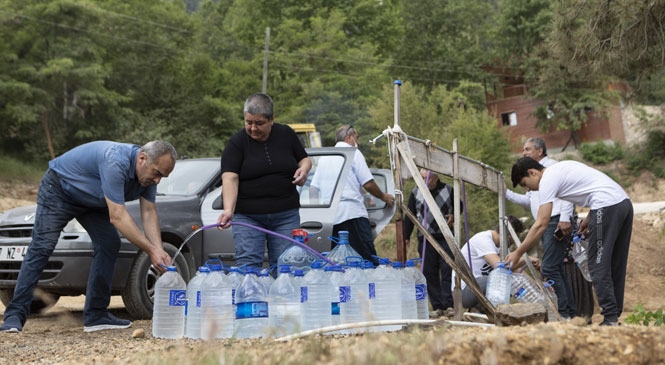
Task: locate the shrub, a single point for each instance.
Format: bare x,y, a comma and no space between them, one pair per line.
601,153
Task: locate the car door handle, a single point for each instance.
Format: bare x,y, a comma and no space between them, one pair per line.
311,225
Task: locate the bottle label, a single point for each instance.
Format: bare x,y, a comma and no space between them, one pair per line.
303,294
421,291
344,294
252,310
334,308
198,299
372,291
177,298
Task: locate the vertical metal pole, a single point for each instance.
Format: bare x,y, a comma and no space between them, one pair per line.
503,233
264,87
395,138
457,291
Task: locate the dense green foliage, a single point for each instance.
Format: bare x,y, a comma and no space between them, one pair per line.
601,153
640,316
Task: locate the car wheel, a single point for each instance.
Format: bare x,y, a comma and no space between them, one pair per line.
140,288
40,302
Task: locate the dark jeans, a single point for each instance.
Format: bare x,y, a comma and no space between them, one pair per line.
553,254
469,300
54,210
361,237
438,274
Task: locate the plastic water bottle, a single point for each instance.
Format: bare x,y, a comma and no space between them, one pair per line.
353,291
525,290
580,256
549,289
387,302
284,304
297,256
168,315
193,307
335,274
265,278
422,304
216,304
409,308
343,250
315,298
499,284
236,275
252,316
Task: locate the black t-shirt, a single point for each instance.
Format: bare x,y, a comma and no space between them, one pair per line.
265,170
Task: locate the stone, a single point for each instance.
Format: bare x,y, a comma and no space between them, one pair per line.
520,314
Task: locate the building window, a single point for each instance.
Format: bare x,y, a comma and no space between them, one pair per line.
509,119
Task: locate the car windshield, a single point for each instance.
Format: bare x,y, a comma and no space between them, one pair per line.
188,177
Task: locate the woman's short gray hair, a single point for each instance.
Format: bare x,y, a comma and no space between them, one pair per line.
259,104
158,148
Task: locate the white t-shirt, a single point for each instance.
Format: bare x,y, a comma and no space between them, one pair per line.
352,203
481,244
578,183
530,199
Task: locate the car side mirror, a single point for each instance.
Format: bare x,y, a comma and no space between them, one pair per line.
217,204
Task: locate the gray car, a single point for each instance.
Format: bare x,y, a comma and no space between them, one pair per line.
188,199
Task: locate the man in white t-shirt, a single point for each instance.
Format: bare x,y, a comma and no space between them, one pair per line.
554,248
351,214
609,223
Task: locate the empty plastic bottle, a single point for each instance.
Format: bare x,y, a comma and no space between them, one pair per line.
409,308
236,275
193,307
422,304
335,273
387,301
343,250
580,256
315,298
499,284
252,315
216,303
168,315
297,256
284,304
265,278
525,290
353,291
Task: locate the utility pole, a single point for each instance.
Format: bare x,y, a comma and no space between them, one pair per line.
264,88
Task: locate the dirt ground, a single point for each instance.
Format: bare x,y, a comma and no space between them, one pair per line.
57,336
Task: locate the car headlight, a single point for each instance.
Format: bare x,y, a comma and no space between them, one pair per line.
74,227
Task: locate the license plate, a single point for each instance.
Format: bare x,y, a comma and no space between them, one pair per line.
12,253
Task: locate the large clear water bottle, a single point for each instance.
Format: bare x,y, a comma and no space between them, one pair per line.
315,298
354,298
580,256
387,302
499,283
525,290
284,304
193,307
343,250
549,289
252,315
335,274
168,315
409,308
297,256
265,278
236,275
422,304
216,304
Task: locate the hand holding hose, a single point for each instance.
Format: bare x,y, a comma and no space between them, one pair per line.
224,219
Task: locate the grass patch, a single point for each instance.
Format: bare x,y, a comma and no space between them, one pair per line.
20,171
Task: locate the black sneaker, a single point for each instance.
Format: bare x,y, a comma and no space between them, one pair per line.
107,322
12,324
609,323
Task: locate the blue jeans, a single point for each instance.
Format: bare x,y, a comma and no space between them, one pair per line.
553,254
251,243
54,210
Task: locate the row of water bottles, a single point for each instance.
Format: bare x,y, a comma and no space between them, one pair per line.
253,304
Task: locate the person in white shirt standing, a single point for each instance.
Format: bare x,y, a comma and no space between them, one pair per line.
554,248
351,214
608,225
